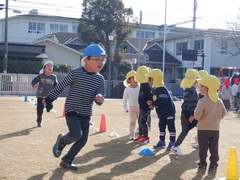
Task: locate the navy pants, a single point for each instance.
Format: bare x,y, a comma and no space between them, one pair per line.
40,107
78,133
170,123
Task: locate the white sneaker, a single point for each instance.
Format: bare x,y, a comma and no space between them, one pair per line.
131,136
177,150
195,145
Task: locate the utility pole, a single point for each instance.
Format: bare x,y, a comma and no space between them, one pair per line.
194,26
139,40
164,37
5,59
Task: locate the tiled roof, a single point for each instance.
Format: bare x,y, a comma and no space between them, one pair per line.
64,37
135,42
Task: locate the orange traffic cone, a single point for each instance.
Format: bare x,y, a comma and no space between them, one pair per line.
63,113
232,170
102,127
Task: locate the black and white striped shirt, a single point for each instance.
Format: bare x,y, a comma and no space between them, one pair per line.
84,86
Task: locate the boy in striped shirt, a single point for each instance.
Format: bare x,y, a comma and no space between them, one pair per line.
86,86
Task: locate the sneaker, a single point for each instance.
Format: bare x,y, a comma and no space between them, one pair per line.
131,136
39,124
213,168
143,140
169,146
195,145
177,150
159,145
57,148
136,139
202,167
67,164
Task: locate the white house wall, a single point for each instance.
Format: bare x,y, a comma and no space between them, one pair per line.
18,31
61,55
18,28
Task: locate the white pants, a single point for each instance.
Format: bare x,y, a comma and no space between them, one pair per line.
134,114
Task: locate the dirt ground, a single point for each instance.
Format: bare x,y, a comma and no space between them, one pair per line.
26,151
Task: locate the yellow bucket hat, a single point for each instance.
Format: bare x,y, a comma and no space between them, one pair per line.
131,73
202,73
141,77
213,84
190,78
157,76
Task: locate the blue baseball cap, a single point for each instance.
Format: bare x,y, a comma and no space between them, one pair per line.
92,50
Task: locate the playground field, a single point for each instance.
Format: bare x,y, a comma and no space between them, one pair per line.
26,150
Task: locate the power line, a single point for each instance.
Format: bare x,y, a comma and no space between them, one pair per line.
45,8
45,4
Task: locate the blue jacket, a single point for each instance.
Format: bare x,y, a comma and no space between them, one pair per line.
163,103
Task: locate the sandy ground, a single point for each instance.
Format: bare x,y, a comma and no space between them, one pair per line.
26,151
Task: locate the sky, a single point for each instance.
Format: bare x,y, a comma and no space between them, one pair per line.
209,13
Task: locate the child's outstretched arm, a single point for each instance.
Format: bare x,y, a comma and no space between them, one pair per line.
35,81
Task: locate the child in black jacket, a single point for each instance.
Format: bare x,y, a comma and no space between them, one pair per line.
164,107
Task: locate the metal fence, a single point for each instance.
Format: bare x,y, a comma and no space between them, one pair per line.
20,84
16,84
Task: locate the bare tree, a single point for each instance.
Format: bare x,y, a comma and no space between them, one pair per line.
229,38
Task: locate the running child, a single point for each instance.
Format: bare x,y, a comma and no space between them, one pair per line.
44,82
86,86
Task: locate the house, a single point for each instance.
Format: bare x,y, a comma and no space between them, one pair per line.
63,48
211,52
24,52
59,36
30,27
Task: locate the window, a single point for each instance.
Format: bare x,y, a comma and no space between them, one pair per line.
36,27
53,27
223,45
74,28
180,47
181,72
63,28
199,46
58,28
146,34
149,35
76,41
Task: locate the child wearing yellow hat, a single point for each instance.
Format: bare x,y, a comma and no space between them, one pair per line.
130,101
145,94
201,74
190,99
209,112
164,107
